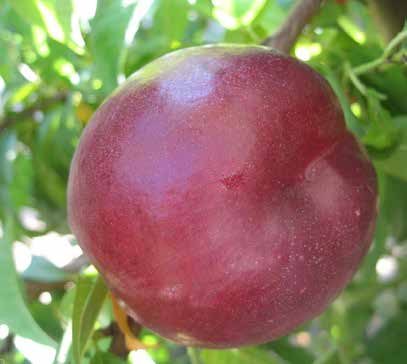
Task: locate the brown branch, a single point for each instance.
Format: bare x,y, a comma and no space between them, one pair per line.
13,118
288,33
34,288
118,344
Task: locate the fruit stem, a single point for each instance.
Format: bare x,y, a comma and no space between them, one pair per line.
358,83
132,342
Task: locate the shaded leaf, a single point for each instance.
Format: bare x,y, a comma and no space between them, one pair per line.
382,132
351,121
106,358
394,206
388,344
240,356
395,164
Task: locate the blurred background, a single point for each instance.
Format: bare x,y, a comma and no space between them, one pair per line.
59,59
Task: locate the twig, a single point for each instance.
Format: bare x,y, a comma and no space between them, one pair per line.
286,36
11,119
34,288
359,84
118,344
386,56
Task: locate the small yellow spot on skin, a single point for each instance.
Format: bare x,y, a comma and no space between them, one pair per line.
132,342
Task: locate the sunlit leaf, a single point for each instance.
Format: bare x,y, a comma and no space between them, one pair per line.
235,13
13,311
52,15
171,21
107,42
89,299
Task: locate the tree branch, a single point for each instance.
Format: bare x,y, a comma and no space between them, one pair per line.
34,288
288,33
118,344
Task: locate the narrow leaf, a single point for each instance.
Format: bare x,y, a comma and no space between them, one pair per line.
89,299
107,41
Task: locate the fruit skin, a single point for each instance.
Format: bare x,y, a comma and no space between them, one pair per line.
221,197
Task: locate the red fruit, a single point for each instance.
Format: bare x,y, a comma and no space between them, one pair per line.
221,197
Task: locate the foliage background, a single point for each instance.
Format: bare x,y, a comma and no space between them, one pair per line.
60,59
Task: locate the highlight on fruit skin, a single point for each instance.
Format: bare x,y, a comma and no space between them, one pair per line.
221,197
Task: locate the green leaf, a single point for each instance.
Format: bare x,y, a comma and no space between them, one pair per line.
290,352
172,27
388,344
43,270
392,82
382,132
89,299
368,268
351,121
107,42
53,149
270,17
395,164
63,353
15,174
328,16
236,13
13,311
22,92
7,143
106,358
330,357
393,208
28,10
240,356
52,15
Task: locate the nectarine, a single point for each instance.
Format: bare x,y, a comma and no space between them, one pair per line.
221,196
